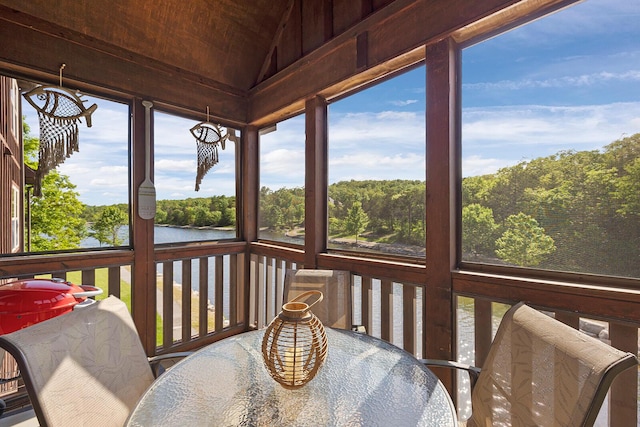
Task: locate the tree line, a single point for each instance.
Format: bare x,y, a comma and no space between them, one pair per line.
573,211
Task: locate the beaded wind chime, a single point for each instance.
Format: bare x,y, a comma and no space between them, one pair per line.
59,111
208,136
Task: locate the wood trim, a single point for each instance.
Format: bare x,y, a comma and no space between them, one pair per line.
167,304
386,310
482,314
186,299
270,57
250,183
557,276
143,286
506,19
403,272
441,114
276,251
170,253
409,318
316,180
623,305
219,292
203,296
28,265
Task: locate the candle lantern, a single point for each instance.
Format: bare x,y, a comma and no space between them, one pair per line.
295,343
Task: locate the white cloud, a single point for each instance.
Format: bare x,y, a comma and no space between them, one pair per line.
478,165
598,17
167,165
583,80
404,103
495,137
368,165
282,164
563,126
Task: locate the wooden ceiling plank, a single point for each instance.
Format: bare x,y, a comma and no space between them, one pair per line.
275,41
75,37
94,68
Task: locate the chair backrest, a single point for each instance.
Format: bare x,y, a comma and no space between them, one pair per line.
87,367
540,371
335,308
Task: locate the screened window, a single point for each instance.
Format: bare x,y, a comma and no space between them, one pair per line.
80,200
551,143
182,213
281,216
377,168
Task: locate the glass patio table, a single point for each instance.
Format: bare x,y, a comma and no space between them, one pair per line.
364,381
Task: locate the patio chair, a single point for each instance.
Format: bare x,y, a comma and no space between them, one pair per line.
87,367
540,371
335,308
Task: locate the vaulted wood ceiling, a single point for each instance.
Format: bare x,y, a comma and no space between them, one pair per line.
226,41
245,59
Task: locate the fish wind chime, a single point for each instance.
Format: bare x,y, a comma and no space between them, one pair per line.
208,136
59,111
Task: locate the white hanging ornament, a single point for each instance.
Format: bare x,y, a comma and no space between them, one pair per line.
59,111
208,136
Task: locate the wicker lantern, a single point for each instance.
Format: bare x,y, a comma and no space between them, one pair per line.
295,343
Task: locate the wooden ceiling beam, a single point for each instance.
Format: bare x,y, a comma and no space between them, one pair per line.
276,39
395,37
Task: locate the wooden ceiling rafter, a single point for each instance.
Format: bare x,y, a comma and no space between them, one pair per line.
269,57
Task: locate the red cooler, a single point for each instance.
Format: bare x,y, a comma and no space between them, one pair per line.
27,302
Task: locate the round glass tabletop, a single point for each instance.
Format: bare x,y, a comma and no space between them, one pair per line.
364,381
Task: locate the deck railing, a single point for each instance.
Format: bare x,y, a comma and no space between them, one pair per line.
390,305
201,297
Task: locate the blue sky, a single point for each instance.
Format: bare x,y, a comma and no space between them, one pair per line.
568,81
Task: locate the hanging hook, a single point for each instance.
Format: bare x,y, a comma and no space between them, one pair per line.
61,68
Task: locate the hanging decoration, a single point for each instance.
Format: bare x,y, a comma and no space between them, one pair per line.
208,136
59,111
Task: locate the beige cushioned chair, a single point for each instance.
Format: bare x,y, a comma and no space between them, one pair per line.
84,368
541,372
335,308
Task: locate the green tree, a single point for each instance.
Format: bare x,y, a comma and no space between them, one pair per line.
357,220
56,217
57,220
106,228
31,145
478,230
524,242
628,190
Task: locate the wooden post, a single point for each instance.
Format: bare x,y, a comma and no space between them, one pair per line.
143,286
248,193
441,204
316,180
248,190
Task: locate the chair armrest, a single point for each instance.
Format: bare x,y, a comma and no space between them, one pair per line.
159,364
473,371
